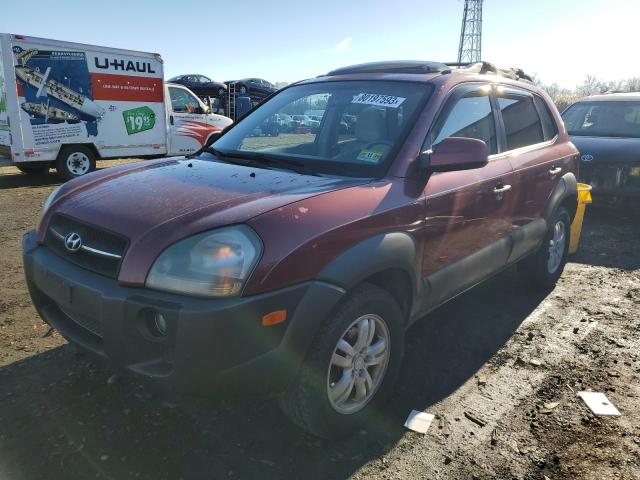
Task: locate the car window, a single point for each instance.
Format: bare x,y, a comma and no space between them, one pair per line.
521,121
345,128
182,101
471,117
548,122
174,79
203,79
603,119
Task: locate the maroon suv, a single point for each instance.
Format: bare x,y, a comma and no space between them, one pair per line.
303,258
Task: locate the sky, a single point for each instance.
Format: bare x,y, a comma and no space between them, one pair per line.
560,41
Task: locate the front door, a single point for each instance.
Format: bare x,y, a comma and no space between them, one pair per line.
188,127
468,215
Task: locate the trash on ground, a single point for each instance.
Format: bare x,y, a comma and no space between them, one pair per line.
599,404
475,419
482,379
419,421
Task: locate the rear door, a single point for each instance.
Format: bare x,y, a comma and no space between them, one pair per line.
529,133
468,213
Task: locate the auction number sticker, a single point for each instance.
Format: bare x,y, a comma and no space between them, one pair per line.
139,119
378,100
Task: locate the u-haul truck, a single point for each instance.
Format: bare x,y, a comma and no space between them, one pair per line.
64,105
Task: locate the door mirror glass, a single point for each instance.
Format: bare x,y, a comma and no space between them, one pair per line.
456,153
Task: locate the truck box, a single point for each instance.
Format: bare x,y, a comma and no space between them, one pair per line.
67,104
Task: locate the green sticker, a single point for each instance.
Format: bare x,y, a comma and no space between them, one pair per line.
370,156
139,119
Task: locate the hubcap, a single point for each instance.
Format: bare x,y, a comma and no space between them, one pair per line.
78,163
358,364
556,247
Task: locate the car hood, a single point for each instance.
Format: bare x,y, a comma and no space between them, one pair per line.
602,150
155,204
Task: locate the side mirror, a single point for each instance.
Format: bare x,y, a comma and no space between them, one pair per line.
206,110
456,153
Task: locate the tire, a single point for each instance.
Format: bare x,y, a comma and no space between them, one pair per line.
307,400
543,268
35,168
221,92
243,89
75,161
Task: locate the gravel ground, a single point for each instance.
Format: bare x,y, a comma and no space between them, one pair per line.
499,367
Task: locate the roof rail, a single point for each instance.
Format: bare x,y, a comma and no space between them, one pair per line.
486,67
409,66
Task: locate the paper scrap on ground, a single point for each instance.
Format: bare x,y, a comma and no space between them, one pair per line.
419,421
599,404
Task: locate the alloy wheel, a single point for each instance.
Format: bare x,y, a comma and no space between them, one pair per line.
556,247
358,364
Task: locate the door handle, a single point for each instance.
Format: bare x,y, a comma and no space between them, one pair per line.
555,171
501,188
171,119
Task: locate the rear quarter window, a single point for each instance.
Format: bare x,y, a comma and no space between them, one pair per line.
549,126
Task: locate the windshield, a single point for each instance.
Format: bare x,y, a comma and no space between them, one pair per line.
347,128
603,119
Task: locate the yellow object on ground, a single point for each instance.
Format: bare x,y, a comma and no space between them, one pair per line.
584,197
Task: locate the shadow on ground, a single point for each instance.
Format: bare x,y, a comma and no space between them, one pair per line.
61,419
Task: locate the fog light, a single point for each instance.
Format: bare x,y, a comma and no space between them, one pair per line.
156,323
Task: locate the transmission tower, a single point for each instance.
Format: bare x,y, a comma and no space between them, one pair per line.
470,49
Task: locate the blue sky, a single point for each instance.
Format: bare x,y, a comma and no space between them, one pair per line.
559,40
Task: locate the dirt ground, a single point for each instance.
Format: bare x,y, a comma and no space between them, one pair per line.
499,367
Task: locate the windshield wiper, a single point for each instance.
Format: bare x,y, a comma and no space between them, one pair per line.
259,157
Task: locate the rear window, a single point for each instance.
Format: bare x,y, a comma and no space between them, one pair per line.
521,121
603,119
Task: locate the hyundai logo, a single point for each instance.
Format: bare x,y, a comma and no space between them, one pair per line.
73,242
587,158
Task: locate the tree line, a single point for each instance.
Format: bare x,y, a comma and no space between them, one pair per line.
563,97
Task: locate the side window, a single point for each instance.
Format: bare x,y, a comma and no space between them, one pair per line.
548,123
470,117
521,121
182,101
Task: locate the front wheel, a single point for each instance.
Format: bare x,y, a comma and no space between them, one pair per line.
75,161
543,268
351,367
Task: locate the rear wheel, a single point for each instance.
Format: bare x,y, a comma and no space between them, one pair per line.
35,168
75,161
543,268
351,368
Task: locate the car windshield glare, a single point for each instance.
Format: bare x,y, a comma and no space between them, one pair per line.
350,128
603,119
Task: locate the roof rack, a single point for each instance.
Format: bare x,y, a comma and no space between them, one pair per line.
486,67
408,66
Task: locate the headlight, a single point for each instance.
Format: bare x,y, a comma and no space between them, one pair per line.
210,264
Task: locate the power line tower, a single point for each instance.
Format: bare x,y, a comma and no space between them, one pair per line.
470,49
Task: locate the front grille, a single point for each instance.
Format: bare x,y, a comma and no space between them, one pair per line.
101,251
88,323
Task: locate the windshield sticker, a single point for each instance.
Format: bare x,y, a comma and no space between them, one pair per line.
378,100
369,156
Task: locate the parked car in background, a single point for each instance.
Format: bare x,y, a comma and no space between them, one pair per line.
253,87
606,131
202,86
300,264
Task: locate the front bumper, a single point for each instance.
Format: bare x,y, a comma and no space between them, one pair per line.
207,340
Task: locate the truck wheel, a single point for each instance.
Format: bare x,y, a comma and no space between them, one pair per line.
75,161
351,367
243,89
35,168
543,268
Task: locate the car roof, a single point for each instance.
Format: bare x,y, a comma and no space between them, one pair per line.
613,97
